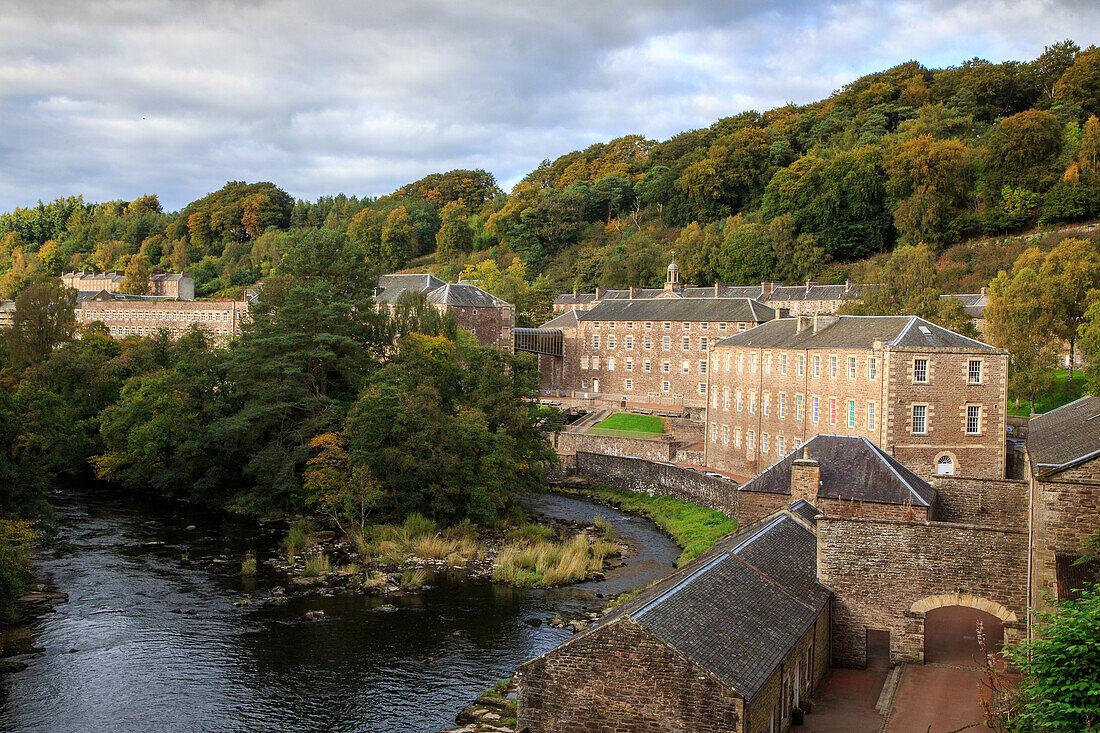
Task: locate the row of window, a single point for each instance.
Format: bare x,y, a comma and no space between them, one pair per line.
833,365
667,325
781,405
750,439
153,316
132,331
628,386
918,425
666,365
647,342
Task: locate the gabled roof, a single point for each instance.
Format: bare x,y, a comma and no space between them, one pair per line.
390,287
738,609
465,295
565,320
574,298
1064,437
680,309
851,468
814,292
854,332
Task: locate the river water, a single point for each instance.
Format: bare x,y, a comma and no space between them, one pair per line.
151,641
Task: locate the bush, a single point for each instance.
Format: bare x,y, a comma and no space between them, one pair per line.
248,567
417,525
17,540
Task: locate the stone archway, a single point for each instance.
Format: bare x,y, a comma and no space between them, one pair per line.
925,605
951,624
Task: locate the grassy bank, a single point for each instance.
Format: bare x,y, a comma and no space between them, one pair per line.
1056,395
694,528
626,424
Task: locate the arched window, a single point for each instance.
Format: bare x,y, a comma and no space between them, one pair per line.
945,466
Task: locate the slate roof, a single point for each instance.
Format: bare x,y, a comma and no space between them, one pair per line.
814,292
1064,437
390,287
565,320
855,332
851,467
738,609
677,309
574,298
83,296
465,295
806,510
756,292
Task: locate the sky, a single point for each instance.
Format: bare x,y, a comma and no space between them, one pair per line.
114,99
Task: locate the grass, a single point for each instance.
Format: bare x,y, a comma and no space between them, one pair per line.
545,564
625,422
417,536
316,565
1056,396
412,579
298,538
694,528
531,533
248,566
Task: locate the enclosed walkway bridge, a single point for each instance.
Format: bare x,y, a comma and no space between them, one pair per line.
548,341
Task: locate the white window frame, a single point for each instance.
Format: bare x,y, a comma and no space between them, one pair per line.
913,413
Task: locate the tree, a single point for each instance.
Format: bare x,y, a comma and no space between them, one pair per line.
44,319
1070,274
346,496
455,237
746,254
1081,82
930,180
138,270
1052,64
398,239
1023,149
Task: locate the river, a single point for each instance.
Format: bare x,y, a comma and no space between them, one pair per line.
150,638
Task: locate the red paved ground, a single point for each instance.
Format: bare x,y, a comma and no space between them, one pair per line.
845,702
937,699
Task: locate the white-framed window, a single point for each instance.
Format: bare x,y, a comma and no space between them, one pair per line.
872,368
738,400
629,325
596,341
737,438
740,362
752,363
721,326
798,407
595,324
704,326
611,341
584,362
751,439
703,366
817,365
973,419
782,405
766,403
832,367
727,361
686,325
714,432
649,325
851,367
725,398
595,362
740,327
703,343
584,384
611,325
685,366
687,343
920,424
648,343
920,371
974,372
779,445
668,326
664,386
815,409
752,401
783,364
628,384
629,364
645,365
610,363
666,366
767,363
870,417
763,442
801,365
832,411
725,435
666,342
851,413
714,400
703,388
630,342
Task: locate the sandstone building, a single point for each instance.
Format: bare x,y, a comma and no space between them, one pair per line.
932,398
489,319
168,285
126,315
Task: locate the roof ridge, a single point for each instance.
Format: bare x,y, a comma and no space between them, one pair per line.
890,464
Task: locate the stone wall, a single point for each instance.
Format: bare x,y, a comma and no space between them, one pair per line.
653,450
659,479
753,506
886,573
767,704
622,678
998,503
493,326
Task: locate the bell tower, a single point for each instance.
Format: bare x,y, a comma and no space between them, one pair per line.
672,277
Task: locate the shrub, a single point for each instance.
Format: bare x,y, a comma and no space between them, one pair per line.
316,565
417,525
248,567
297,539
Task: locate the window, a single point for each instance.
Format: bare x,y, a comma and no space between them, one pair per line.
611,341
595,324
584,362
738,400
727,362
767,363
920,371
703,342
664,386
630,365
737,438
630,342
611,325
974,373
817,366
767,403
919,414
703,366
628,384
648,342
610,363
752,363
584,384
851,367
686,343
685,366
686,325
870,416
801,364
703,388
752,401
596,341
713,432
666,343
714,399
872,368
704,326
740,362
751,439
740,327
649,325
851,413
668,326
832,411
782,405
725,398
645,365
725,434
814,409
783,364
763,442
629,325
595,362
945,466
779,447
973,419
832,367
666,366
798,407
721,326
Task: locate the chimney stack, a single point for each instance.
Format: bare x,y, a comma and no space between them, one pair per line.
805,478
633,292
803,323
810,284
600,293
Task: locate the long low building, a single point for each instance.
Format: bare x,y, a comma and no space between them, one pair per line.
143,315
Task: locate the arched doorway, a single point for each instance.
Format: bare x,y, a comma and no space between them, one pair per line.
945,466
951,635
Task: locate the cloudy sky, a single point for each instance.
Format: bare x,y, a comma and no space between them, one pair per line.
116,99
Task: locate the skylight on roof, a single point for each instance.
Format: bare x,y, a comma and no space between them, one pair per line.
925,330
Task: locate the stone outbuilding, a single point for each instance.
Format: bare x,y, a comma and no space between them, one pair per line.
736,640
